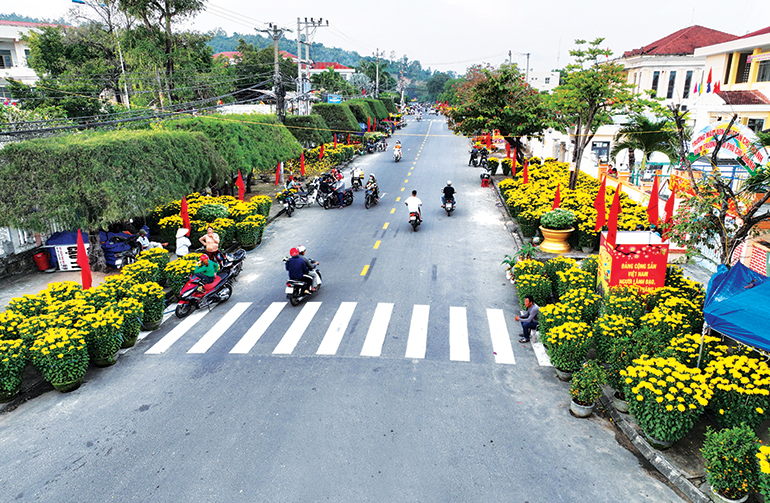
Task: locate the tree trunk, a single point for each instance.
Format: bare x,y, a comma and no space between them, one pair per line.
631,159
96,254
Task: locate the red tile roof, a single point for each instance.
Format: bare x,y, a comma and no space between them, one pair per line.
327,64
758,32
684,41
287,54
28,24
227,54
743,98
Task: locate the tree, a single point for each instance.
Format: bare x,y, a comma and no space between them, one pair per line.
435,85
498,99
332,82
648,136
593,90
255,68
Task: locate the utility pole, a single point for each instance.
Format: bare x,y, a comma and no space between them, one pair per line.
377,55
305,76
276,33
526,70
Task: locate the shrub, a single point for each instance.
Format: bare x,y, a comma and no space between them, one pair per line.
226,230
133,311
338,116
494,163
585,302
732,467
535,285
590,264
152,297
556,264
572,279
13,360
263,204
528,223
528,267
687,349
506,165
60,354
211,212
99,296
741,388
142,271
624,303
9,325
102,332
558,219
568,345
668,324
159,257
309,130
248,232
685,307
586,384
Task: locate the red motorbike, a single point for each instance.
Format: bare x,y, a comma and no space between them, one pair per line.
195,294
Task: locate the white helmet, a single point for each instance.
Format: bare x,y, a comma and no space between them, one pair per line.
449,182
301,248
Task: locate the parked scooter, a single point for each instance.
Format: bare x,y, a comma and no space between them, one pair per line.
289,203
123,258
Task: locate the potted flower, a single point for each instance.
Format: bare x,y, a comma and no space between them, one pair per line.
13,360
536,285
62,357
626,303
159,257
178,271
554,315
132,310
763,475
567,346
572,279
732,467
741,390
585,388
248,231
152,297
585,302
556,226
666,398
142,271
102,331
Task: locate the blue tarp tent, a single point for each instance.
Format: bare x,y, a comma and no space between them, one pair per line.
737,304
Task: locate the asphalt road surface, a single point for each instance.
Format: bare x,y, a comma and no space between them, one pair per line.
401,380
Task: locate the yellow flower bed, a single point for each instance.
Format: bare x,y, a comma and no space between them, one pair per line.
568,345
12,363
741,389
60,354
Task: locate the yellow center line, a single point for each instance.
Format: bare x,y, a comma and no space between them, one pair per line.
386,225
366,269
406,181
391,212
402,189
398,198
377,245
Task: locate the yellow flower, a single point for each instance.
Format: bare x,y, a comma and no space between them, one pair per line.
669,407
760,410
639,397
680,407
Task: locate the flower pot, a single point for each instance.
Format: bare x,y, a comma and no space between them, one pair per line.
7,396
620,404
508,274
66,387
149,326
718,498
555,241
105,362
587,250
127,343
580,410
563,375
657,443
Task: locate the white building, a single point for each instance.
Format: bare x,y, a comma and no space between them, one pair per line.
14,53
544,81
321,67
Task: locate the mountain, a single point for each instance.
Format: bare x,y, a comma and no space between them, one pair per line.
26,19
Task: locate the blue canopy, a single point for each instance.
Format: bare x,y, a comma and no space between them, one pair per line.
736,305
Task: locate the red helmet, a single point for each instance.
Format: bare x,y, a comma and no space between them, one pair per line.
294,252
339,176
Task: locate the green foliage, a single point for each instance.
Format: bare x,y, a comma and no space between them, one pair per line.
559,263
380,112
536,285
387,101
13,359
527,266
210,212
338,117
332,82
126,173
732,467
558,219
586,384
590,264
361,111
309,130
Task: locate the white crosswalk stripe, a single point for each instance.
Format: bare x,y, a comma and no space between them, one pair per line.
459,338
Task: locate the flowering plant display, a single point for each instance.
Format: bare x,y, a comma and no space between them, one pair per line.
9,324
568,345
590,264
667,324
625,302
687,349
681,305
657,297
493,163
179,271
559,263
585,302
211,212
119,284
241,210
741,387
98,296
763,482
152,297
159,257
27,305
226,230
528,223
61,291
558,219
607,328
168,227
732,467
667,397
574,278
586,383
60,354
35,326
249,231
529,267
263,205
142,271
12,362
539,287
554,315
102,332
133,311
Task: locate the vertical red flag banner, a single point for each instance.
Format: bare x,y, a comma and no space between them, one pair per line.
302,163
82,261
321,152
488,139
185,215
708,82
557,197
526,172
652,206
335,140
507,150
278,174
513,163
669,209
348,138
241,186
612,224
601,206
368,124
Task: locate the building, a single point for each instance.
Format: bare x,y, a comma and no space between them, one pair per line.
13,54
344,71
544,81
233,57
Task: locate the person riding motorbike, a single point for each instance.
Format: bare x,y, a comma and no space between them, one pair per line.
311,265
206,271
339,188
413,204
372,184
358,174
474,154
448,194
298,269
397,149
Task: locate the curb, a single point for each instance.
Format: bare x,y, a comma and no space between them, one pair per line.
509,223
673,474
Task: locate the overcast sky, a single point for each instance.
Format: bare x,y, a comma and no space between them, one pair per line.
453,34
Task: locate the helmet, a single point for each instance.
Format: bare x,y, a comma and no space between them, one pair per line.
294,252
398,142
301,248
449,182
204,258
371,176
339,176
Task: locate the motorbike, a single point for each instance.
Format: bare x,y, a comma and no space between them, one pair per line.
355,182
474,160
450,206
331,199
486,174
397,155
414,220
483,158
196,295
289,204
369,199
123,258
371,147
418,118
296,289
382,145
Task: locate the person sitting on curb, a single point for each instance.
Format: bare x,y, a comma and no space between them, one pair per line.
145,242
529,318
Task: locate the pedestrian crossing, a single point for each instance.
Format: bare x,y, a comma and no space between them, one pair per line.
295,339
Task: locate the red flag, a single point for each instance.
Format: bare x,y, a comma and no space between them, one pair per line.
526,172
669,209
302,163
335,140
652,206
348,138
368,124
82,261
717,87
185,215
278,174
708,82
321,152
612,224
488,139
513,163
557,197
507,150
241,186
601,206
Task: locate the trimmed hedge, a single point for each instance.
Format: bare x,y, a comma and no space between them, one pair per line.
389,105
361,111
378,107
309,130
338,117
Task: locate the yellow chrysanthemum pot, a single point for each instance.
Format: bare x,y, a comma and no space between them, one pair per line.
555,241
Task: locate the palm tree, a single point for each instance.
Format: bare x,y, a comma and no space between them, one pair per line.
648,136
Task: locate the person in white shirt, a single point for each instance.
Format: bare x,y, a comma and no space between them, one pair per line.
413,204
145,243
182,242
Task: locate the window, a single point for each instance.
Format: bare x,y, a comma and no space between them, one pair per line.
755,125
655,79
671,82
687,84
4,92
743,68
5,58
763,75
26,57
548,80
602,151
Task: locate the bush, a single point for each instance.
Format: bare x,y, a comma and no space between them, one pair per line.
133,311
13,359
558,219
102,332
559,263
585,302
179,271
568,345
210,212
528,267
555,315
687,349
494,163
625,303
535,285
159,257
338,117
741,390
309,130
142,271
732,467
506,165
607,328
574,278
60,354
152,297
248,232
590,264
586,384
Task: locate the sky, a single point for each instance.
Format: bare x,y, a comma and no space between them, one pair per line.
454,34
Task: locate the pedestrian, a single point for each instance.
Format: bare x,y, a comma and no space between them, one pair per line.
182,242
529,318
211,241
145,242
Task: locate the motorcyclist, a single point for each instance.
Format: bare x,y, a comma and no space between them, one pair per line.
339,188
448,194
474,154
298,269
397,149
413,204
311,264
206,271
358,174
372,184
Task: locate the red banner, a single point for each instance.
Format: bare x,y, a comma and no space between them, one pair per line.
641,265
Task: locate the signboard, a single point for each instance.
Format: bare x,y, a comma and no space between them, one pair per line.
334,98
638,261
758,57
742,144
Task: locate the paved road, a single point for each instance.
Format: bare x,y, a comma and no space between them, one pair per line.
400,381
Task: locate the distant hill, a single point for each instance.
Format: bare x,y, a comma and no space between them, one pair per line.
26,19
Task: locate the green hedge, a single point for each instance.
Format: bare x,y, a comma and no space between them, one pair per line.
361,111
378,107
309,130
93,179
338,117
389,105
